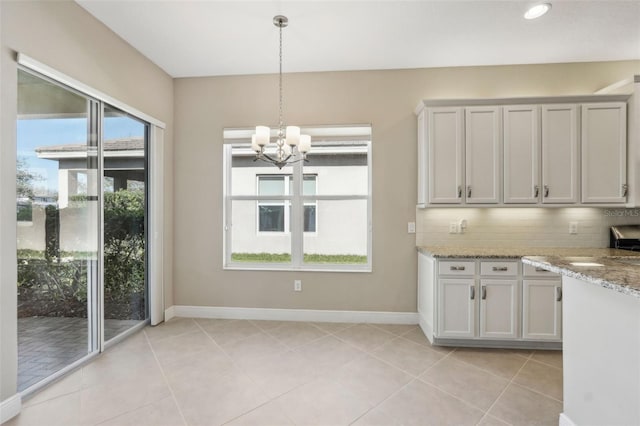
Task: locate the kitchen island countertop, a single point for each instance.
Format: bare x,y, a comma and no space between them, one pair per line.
618,273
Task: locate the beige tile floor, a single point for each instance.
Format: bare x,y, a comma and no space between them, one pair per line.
237,372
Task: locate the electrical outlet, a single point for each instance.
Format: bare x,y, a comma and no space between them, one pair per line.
573,227
411,227
297,285
453,227
462,225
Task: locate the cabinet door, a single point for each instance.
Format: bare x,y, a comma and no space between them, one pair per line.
559,154
499,309
521,141
542,309
445,156
456,307
604,153
482,154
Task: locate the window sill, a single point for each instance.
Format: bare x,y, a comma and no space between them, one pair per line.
281,268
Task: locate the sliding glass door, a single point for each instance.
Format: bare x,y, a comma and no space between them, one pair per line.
124,181
80,214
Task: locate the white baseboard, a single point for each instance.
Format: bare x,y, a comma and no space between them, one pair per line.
10,407
169,313
565,421
371,317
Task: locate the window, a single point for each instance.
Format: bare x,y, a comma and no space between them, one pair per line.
274,216
313,216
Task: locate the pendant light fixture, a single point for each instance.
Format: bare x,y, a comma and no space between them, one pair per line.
290,146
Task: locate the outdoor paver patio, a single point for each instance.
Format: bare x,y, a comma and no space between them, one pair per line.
48,344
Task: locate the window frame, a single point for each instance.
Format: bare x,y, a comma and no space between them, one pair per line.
287,182
242,136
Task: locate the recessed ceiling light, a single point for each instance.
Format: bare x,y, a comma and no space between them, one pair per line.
537,11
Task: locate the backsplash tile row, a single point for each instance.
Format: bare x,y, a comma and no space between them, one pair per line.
521,227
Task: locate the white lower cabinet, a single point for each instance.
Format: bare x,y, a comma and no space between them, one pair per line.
499,309
456,307
541,305
488,302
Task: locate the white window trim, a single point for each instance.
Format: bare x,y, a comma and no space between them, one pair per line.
238,135
266,200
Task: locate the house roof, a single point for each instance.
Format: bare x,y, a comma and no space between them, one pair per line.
125,144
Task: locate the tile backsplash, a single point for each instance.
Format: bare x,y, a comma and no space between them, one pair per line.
521,227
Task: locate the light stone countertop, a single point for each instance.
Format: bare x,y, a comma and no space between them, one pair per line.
518,252
619,270
621,274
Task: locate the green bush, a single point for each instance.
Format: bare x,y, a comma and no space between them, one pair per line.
343,259
54,283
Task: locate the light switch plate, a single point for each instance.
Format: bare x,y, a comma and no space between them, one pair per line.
411,227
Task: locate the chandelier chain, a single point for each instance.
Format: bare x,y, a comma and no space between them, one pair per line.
280,82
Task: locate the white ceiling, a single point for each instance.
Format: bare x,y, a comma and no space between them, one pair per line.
203,38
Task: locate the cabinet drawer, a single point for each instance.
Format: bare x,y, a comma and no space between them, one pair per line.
452,267
534,271
499,268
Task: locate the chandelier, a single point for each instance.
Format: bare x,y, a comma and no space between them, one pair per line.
290,146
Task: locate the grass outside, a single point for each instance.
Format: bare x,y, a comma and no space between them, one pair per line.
342,259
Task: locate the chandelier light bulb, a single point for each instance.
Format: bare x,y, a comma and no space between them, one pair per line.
293,135
305,144
263,135
254,144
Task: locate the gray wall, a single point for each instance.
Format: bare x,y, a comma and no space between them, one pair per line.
64,36
386,99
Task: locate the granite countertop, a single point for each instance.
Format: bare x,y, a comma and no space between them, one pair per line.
618,273
619,270
518,252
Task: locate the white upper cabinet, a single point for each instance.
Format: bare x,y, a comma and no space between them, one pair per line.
523,151
560,154
444,155
604,153
482,154
521,133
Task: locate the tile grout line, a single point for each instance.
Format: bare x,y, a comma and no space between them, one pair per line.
269,398
164,376
503,392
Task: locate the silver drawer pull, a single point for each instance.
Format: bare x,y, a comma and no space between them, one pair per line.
558,294
539,269
484,292
472,292
457,268
500,268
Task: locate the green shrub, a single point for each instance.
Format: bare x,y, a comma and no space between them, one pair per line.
54,283
343,259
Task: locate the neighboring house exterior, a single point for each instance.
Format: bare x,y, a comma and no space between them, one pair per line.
331,226
123,167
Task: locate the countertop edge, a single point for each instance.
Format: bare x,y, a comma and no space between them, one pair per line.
583,277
